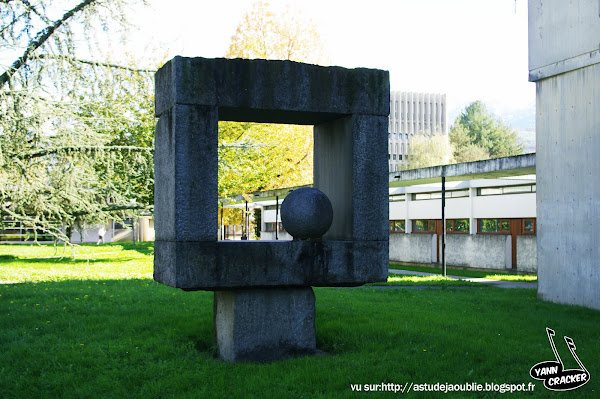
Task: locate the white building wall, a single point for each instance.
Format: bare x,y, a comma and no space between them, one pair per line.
504,206
410,114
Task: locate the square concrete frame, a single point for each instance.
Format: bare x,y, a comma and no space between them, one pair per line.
349,110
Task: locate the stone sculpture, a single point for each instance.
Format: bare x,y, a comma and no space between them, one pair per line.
264,306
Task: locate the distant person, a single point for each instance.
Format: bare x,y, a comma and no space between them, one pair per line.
101,232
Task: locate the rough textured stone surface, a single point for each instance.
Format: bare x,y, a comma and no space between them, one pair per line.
349,108
306,213
186,169
370,202
272,91
264,324
244,264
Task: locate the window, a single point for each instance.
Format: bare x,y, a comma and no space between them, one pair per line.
500,226
423,226
397,226
426,196
270,226
530,188
394,157
457,193
270,207
397,197
529,226
457,225
124,224
281,228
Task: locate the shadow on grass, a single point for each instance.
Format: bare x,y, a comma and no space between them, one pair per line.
144,248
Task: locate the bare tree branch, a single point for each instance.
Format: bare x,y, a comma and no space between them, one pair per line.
40,39
94,63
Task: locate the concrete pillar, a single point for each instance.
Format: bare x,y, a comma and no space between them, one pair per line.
565,64
264,324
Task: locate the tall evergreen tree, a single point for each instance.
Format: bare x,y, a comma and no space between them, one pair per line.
477,134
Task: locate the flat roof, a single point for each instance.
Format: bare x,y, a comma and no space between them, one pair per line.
497,168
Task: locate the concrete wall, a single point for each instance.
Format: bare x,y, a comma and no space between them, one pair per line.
485,251
568,129
411,248
564,63
527,253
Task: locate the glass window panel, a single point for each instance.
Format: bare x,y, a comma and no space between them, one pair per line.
517,189
461,225
397,197
448,225
399,225
489,191
431,225
436,195
391,225
488,225
505,226
459,193
420,225
529,226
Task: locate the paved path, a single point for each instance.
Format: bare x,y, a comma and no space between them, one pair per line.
495,283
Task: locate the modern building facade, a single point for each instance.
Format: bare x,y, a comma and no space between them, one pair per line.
490,223
410,114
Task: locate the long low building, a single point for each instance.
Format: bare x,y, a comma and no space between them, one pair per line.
490,223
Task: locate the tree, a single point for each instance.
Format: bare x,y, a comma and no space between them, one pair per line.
69,126
265,156
477,134
429,151
266,34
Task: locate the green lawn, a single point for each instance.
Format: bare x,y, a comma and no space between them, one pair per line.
496,275
100,327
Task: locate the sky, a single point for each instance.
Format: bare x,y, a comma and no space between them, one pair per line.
468,49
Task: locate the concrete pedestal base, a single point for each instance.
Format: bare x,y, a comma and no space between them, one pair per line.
264,324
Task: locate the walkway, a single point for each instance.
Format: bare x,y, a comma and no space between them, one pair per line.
495,283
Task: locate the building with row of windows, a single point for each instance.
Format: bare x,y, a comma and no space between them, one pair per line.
410,114
490,223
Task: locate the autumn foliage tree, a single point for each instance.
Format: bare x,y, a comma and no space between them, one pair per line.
425,151
265,156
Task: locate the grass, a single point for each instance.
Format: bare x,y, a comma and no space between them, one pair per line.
496,275
431,281
105,329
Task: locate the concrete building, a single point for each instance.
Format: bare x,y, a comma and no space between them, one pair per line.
16,233
564,63
410,114
490,219
490,223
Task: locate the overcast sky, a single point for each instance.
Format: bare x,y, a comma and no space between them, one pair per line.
468,49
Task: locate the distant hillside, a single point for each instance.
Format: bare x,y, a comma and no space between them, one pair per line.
527,138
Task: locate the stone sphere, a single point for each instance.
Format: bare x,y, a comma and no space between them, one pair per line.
306,213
